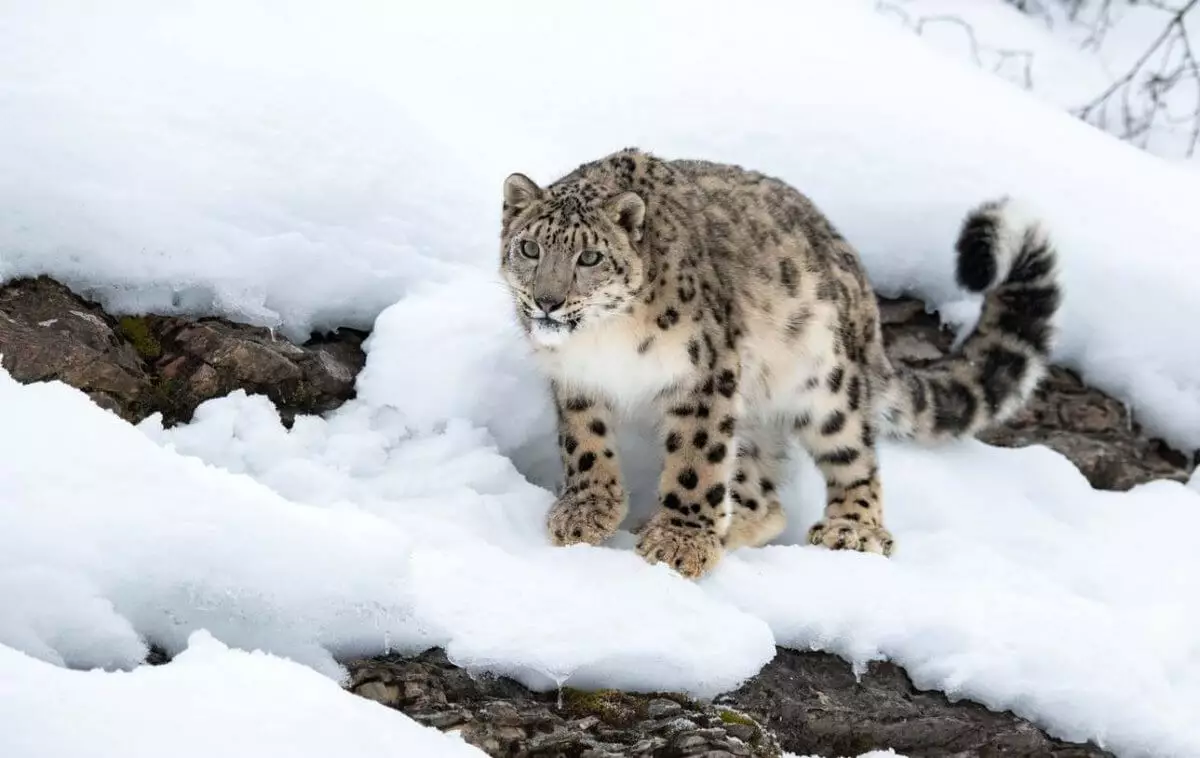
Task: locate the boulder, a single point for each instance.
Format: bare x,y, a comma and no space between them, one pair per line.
138,365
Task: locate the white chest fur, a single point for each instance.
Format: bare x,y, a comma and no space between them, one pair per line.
620,360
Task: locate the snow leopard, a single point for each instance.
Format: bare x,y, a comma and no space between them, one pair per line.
724,304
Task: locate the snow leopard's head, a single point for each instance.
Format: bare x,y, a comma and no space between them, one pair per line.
569,254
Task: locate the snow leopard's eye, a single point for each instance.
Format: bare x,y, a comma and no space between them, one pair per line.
530,249
590,257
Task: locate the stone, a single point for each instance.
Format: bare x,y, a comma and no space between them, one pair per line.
1090,428
502,718
139,365
207,358
47,333
815,705
802,702
661,707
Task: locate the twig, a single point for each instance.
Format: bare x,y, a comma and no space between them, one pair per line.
1177,63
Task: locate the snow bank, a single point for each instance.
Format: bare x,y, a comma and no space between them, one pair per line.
208,701
422,541
997,547
306,169
1065,55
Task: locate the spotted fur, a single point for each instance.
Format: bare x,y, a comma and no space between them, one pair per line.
724,303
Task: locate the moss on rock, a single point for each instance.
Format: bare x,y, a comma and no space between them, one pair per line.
137,331
620,709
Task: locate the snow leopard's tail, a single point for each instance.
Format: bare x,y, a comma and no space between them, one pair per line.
993,372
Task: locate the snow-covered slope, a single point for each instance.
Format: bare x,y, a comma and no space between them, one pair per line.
1070,54
303,167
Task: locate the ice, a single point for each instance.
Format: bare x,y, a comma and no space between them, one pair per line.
210,701
296,170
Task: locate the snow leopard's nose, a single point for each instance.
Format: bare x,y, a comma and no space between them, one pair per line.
549,303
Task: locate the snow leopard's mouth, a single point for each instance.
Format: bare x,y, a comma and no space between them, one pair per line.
545,322
548,331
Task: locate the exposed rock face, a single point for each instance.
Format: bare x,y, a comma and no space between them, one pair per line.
815,706
48,333
193,361
806,702
502,718
136,366
1090,428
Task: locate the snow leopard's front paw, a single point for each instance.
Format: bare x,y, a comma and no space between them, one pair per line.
690,551
847,534
587,516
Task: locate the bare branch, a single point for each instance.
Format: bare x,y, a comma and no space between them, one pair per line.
1169,62
978,51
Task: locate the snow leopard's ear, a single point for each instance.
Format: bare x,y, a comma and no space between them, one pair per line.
519,192
628,211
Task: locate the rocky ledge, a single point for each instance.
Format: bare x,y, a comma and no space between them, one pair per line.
803,702
139,365
1095,431
504,719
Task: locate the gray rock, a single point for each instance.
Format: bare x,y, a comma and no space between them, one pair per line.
803,702
47,333
136,366
504,719
662,707
815,705
1094,431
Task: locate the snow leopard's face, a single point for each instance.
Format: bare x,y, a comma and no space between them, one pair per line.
569,256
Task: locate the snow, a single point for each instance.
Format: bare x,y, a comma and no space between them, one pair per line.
286,170
306,178
410,518
1067,57
455,558
211,699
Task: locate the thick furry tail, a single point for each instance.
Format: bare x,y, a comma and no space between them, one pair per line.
994,371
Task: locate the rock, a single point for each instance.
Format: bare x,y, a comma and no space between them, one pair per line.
47,333
814,705
502,718
1094,431
138,365
802,702
661,707
195,360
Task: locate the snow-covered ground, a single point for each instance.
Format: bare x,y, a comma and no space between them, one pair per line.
303,168
217,701
1071,59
